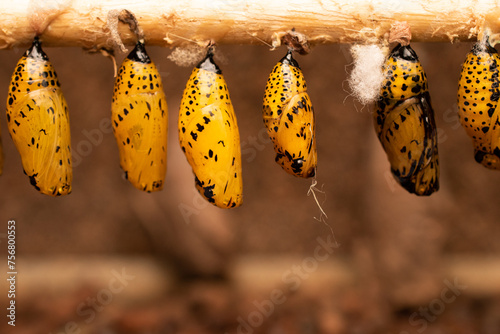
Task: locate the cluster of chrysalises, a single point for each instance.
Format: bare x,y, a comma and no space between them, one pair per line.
38,122
404,118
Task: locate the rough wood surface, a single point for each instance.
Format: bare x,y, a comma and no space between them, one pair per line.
169,23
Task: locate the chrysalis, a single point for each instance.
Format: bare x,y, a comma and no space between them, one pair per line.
38,122
209,136
139,116
289,118
478,95
404,121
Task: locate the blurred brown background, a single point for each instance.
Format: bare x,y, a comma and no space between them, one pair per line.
404,264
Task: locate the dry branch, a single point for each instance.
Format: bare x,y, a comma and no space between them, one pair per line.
83,22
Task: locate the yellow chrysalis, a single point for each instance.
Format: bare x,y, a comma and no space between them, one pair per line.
289,118
139,115
478,94
209,136
38,122
404,121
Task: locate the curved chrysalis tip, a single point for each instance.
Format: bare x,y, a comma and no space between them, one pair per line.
404,52
483,46
289,60
35,51
208,63
139,53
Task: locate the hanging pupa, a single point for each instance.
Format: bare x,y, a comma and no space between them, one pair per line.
209,136
478,93
38,122
289,118
404,121
139,116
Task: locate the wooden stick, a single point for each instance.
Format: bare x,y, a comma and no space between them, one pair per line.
170,22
